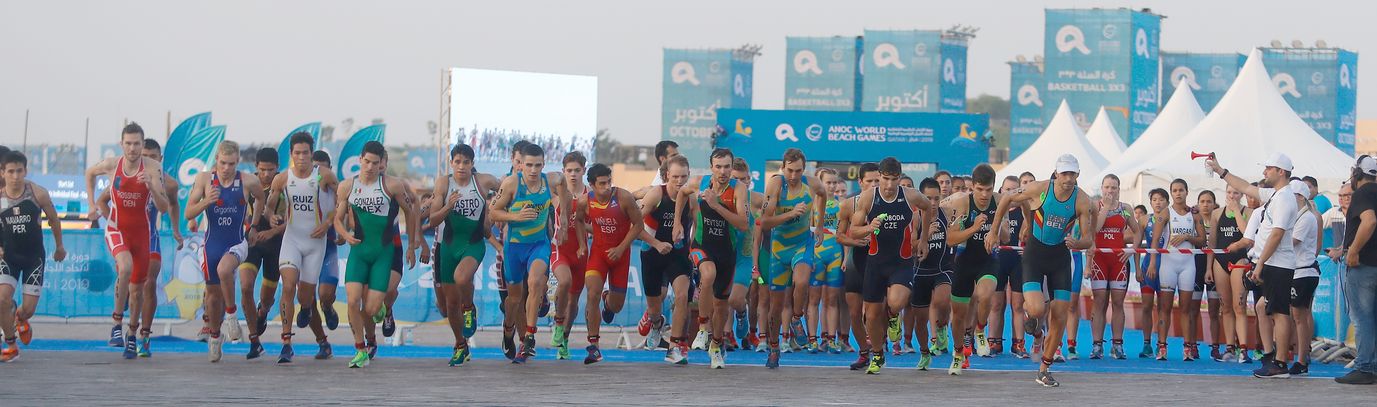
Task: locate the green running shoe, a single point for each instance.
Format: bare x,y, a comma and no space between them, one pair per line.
925,360
939,344
470,322
360,359
461,355
877,361
382,314
144,344
895,330
558,336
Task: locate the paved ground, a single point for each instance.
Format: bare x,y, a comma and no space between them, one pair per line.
82,371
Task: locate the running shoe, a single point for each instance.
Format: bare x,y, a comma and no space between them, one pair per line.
255,350
1116,351
1161,351
743,322
1058,357
1097,350
520,355
303,318
700,342
996,346
461,355
1045,379
982,345
834,347
24,330
1356,377
594,355
755,341
145,345
508,344
130,347
846,346
215,343
557,335
231,326
331,317
760,345
1030,325
895,329
1256,354
1018,350
772,361
286,355
562,351
389,326
262,324
1273,370
643,327
897,349
201,336
729,342
1299,369
958,362
1146,352
861,360
924,361
325,351
607,314
1216,354
528,346
792,344
117,336
10,354
676,356
908,348
797,330
381,315
939,342
372,349
1243,356
470,322
1186,354
812,345
360,359
715,354
656,340
965,357
1071,350
877,362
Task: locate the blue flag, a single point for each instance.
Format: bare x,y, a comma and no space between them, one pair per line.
349,155
284,150
172,149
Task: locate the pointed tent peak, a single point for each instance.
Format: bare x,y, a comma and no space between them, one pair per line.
1182,101
1061,136
1063,121
1104,138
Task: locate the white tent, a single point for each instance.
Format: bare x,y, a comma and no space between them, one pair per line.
1104,138
1250,122
1181,114
1061,136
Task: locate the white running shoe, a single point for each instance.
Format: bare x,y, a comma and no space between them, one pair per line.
700,342
982,345
216,344
675,355
718,359
231,327
955,369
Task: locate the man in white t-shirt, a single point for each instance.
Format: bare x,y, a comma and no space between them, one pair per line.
1305,238
664,150
1277,261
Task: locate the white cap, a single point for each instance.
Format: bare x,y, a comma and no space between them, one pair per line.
1068,163
1301,188
1367,165
1278,160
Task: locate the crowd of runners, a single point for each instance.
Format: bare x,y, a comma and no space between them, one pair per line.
810,264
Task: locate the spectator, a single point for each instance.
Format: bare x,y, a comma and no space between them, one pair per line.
1360,281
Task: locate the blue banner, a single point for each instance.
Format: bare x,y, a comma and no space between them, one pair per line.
172,149
743,78
1346,105
348,159
1103,58
924,142
84,284
953,75
68,192
1330,318
425,161
1025,106
821,74
903,71
1308,79
1208,75
284,149
696,84
196,154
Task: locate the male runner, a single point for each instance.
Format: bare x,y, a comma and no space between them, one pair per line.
302,254
1009,262
977,271
367,202
792,200
22,255
1182,229
329,273
460,201
720,202
523,202
746,293
826,282
127,232
664,151
888,213
569,260
1017,230
610,211
931,282
1115,227
1053,206
853,277
224,195
496,237
664,262
263,256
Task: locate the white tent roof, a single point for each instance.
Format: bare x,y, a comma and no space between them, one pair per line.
1104,138
1250,122
1061,136
1181,114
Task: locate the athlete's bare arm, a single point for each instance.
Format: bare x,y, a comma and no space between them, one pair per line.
686,193
255,190
104,167
174,213
45,202
343,212
1085,214
442,200
1019,197
633,213
955,233
648,202
863,227
200,196
769,216
410,214
504,198
564,196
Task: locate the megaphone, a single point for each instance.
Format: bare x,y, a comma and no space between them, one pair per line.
1195,155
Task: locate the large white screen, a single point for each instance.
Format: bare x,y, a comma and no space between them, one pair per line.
491,110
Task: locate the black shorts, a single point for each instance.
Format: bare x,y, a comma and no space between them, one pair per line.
924,281
397,259
1303,292
1048,263
1011,266
723,258
1201,267
660,270
264,258
853,274
879,275
969,272
24,274
1276,287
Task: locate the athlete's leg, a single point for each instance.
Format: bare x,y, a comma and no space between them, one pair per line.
1098,313
1017,312
707,277
124,268
592,313
1223,283
454,306
7,310
998,303
678,327
1117,319
306,296
290,277
940,313
815,324
1056,323
355,294
1190,310
910,321
564,281
1165,299
394,279
150,294
535,292
802,271
984,291
247,275
831,296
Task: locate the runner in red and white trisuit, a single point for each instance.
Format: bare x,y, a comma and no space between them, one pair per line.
1115,225
610,211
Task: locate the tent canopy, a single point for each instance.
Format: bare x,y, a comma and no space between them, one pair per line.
1061,136
1181,114
1104,138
